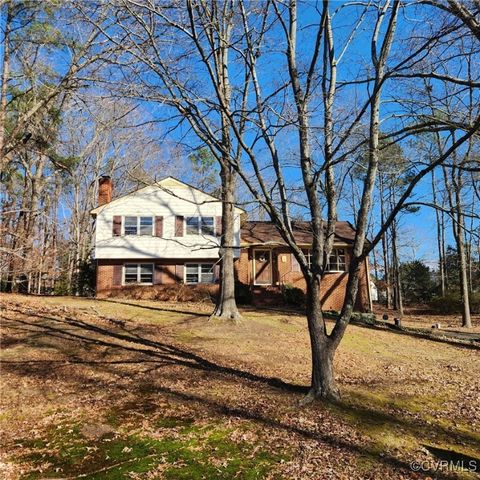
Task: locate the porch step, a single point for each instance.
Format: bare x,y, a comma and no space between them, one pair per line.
266,288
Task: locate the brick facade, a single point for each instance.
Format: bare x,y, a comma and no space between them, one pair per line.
170,208
165,273
333,284
171,272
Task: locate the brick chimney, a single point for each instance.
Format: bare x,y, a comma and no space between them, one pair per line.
243,218
105,188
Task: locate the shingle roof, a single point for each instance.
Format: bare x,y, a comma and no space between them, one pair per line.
258,232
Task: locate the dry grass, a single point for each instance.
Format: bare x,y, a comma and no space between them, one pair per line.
154,390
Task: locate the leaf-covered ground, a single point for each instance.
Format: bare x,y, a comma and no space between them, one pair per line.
102,390
418,316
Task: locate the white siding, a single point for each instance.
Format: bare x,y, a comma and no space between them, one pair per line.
154,201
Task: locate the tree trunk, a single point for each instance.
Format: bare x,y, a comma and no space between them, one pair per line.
398,300
5,78
386,263
323,383
375,263
458,225
442,243
468,248
466,319
226,305
440,248
462,260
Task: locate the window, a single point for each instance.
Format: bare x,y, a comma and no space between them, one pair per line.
308,256
336,261
206,273
138,273
192,225
199,273
200,226
138,225
146,225
207,226
131,275
131,225
191,275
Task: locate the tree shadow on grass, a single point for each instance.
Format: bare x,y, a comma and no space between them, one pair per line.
376,420
157,309
454,457
163,351
118,339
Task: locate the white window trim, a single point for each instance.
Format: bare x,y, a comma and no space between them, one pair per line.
138,234
255,268
199,230
138,273
199,271
308,256
335,249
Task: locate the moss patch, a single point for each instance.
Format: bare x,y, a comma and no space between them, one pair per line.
174,422
400,423
190,452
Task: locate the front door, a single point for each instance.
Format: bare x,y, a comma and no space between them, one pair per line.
262,264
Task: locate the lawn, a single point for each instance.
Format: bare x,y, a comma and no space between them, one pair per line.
104,390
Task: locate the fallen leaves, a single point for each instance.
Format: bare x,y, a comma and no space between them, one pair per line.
90,373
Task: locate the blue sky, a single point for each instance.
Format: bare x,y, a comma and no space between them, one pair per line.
417,229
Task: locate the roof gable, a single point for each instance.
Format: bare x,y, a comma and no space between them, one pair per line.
167,184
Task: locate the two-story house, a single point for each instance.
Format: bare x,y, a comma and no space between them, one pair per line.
170,232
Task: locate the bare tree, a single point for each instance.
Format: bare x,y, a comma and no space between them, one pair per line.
28,46
46,54
99,135
447,99
7,28
147,33
286,83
